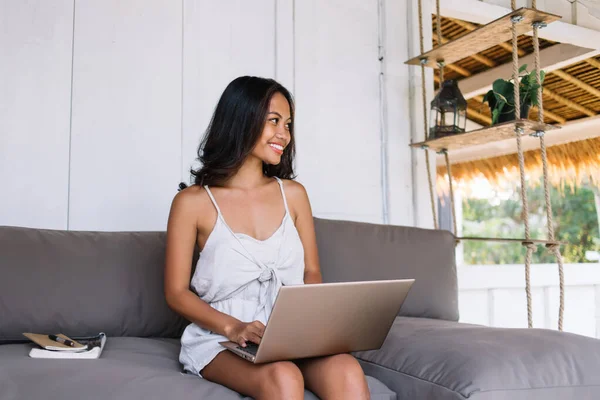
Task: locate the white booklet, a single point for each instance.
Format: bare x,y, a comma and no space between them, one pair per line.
83,347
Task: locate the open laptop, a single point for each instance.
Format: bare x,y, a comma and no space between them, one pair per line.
327,318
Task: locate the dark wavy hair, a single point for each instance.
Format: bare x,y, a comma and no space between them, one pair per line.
235,128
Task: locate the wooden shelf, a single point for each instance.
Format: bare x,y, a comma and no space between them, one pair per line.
509,240
485,135
484,37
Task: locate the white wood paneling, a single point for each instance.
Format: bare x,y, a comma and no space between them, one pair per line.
222,40
284,43
397,105
421,203
506,298
126,128
337,72
510,308
35,89
580,301
474,307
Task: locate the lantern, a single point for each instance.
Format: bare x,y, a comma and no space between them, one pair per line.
448,111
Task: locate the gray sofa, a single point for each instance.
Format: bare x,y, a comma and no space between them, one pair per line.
81,283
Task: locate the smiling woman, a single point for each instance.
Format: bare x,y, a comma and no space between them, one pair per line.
238,129
254,228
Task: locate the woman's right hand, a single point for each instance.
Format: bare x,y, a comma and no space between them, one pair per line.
242,332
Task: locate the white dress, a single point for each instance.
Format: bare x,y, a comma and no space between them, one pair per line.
240,276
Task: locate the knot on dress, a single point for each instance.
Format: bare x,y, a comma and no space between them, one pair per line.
266,275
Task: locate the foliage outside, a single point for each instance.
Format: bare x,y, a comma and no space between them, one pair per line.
575,217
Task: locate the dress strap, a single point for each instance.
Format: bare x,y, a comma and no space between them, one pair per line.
283,194
212,198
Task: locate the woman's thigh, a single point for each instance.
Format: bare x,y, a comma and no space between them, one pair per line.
334,377
272,380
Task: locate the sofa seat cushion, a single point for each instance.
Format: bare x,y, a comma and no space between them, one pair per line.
128,369
433,359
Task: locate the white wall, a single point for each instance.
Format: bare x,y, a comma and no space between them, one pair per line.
35,96
103,104
494,295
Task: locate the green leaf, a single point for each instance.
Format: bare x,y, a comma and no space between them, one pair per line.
502,87
534,97
495,115
523,68
488,96
500,108
501,99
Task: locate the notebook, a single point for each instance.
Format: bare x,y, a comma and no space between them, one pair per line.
85,347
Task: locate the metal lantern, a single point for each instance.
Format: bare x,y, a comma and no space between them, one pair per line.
448,111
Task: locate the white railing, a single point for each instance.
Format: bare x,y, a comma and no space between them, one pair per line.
494,295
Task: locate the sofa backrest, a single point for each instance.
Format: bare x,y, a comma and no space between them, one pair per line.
355,251
81,283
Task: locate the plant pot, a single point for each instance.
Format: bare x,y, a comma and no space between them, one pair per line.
510,115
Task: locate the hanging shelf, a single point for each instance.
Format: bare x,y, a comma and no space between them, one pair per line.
483,38
485,135
511,240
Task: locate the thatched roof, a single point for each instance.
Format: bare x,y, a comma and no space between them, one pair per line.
569,164
570,94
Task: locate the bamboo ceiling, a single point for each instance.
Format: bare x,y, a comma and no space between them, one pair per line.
570,93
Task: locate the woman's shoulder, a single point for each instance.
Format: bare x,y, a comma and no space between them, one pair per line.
293,188
295,192
192,199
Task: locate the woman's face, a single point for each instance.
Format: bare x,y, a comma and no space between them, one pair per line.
276,132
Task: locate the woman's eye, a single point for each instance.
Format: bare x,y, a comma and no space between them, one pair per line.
274,120
287,126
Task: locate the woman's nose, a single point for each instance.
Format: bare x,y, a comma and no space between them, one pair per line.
282,134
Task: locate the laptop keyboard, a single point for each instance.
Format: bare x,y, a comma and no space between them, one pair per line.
251,348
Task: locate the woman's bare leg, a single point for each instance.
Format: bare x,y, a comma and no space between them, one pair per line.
335,377
279,380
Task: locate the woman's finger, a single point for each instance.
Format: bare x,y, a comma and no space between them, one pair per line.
260,326
255,330
254,338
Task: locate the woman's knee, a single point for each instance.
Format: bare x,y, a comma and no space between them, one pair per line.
350,372
282,380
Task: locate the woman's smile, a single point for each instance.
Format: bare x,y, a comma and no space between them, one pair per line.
277,148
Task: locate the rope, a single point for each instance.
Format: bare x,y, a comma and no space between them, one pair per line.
553,248
530,249
425,129
517,105
536,63
451,190
431,198
438,23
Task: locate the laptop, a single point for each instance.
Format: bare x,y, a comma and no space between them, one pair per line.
327,318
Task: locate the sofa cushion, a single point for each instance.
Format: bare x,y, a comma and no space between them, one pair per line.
355,251
128,369
433,359
82,283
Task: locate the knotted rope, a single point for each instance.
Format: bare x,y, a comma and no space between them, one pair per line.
553,248
426,130
518,132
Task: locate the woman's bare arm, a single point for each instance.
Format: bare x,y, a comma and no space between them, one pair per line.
306,229
182,230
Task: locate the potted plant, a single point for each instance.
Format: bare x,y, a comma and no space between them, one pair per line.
501,98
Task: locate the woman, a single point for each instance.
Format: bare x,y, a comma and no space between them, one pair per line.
254,227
